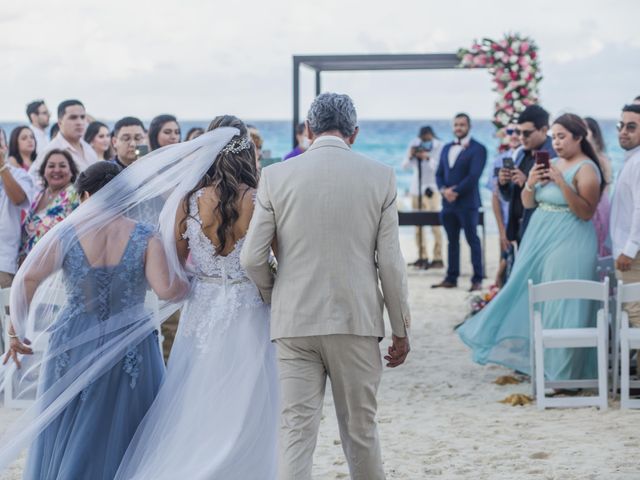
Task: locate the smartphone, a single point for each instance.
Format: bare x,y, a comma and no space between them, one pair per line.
542,158
508,163
496,171
141,150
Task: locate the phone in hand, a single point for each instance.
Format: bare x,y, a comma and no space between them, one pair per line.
542,158
508,163
141,150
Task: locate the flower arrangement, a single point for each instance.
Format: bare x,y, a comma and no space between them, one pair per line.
480,300
514,64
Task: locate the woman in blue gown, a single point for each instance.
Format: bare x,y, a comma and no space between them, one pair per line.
559,244
106,274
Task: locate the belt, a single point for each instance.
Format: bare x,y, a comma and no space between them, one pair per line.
550,207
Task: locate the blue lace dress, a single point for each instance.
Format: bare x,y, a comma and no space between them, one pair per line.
89,437
557,246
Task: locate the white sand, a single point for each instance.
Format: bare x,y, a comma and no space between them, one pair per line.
440,418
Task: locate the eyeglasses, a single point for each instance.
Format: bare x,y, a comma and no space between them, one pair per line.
510,131
629,127
523,133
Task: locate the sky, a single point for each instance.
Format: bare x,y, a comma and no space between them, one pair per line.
200,58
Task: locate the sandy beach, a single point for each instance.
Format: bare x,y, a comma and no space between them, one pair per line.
440,417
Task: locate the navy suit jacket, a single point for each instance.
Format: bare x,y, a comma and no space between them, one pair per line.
464,175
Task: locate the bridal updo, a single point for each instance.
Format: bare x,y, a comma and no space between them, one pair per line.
234,166
95,177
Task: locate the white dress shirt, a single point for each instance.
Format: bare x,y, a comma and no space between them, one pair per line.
625,213
429,167
10,220
83,158
456,150
42,139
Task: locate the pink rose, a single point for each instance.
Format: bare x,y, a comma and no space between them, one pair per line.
524,92
467,58
524,47
514,75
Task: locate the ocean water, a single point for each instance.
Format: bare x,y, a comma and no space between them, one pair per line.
387,140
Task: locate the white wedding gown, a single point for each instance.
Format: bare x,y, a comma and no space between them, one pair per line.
216,414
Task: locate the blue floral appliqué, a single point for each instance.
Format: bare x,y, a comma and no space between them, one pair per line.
132,361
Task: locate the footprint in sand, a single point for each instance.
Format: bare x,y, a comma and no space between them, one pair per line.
540,455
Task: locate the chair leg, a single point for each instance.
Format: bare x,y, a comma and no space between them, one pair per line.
539,360
624,371
615,364
603,354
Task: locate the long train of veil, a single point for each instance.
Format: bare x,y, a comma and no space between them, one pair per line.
150,190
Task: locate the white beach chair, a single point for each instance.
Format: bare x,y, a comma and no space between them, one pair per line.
629,339
569,338
5,293
605,267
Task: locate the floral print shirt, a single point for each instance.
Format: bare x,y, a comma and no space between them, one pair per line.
36,224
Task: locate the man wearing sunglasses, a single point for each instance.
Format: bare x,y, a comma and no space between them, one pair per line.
625,213
532,128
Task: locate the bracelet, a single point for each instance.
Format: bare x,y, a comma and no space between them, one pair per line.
527,187
10,335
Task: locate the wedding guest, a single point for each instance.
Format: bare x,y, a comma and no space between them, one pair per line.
193,132
4,147
97,135
163,130
72,123
423,156
55,201
560,243
106,273
461,164
302,141
55,129
128,133
500,206
625,213
601,219
22,147
39,117
16,191
533,125
257,140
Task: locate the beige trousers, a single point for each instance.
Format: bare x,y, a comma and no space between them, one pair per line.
432,204
354,366
632,276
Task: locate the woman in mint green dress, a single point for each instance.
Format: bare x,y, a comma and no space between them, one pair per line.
560,244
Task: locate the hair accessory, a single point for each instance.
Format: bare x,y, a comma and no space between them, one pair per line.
237,145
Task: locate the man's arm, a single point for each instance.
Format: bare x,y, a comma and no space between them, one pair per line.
440,170
391,268
632,245
255,251
478,161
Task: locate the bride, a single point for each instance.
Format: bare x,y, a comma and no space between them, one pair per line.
215,416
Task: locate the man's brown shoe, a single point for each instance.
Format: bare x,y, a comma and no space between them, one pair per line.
475,287
444,284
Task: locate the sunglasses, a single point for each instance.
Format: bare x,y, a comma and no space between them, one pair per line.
510,131
629,127
523,133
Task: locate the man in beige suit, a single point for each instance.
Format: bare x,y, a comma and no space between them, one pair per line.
333,215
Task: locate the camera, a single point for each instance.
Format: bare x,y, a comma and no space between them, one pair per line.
428,192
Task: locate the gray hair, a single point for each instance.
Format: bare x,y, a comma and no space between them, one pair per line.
332,111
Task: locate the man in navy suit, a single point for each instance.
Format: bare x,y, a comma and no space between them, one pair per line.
461,164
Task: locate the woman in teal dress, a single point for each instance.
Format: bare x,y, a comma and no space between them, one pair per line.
560,244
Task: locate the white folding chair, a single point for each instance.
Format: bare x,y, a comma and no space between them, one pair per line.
629,339
542,338
605,267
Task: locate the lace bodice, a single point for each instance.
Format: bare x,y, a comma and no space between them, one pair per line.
206,260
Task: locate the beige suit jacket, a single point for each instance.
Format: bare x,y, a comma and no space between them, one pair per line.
333,212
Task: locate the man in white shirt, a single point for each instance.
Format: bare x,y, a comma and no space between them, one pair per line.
423,156
39,116
72,120
16,192
625,216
